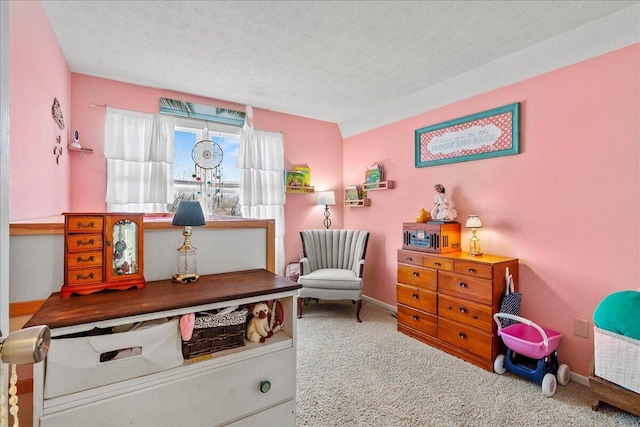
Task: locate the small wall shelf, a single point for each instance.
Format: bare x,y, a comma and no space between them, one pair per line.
357,203
382,185
83,151
296,189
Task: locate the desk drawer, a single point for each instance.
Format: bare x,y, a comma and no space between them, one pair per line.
418,320
418,298
84,259
84,276
418,276
465,338
84,242
84,224
463,311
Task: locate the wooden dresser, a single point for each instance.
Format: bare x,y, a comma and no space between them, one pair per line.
254,384
448,301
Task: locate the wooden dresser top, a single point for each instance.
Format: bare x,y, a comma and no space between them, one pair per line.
156,296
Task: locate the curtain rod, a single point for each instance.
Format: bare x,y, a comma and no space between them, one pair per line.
99,105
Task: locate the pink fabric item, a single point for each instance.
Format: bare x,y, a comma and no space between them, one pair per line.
187,321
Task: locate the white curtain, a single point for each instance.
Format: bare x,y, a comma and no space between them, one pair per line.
262,191
139,150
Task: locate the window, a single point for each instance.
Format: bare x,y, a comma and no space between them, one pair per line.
216,188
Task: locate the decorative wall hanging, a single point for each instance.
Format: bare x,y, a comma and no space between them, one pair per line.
490,133
207,156
56,112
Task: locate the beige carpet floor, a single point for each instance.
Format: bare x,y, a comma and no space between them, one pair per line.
368,374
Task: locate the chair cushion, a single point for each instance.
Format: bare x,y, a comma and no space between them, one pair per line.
331,278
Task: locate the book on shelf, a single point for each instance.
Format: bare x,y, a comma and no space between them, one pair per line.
374,174
352,193
299,176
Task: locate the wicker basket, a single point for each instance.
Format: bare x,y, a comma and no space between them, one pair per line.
617,359
215,332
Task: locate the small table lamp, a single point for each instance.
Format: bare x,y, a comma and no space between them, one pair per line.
326,198
473,222
189,214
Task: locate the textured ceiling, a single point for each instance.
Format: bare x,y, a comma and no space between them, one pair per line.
328,60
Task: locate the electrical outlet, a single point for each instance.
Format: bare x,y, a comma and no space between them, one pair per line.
581,328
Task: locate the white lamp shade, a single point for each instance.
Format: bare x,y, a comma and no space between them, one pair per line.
473,222
326,198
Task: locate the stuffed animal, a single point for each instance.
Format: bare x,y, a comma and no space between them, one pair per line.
258,329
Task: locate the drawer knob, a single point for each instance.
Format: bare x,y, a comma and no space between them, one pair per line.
415,317
265,386
415,296
472,270
463,285
409,258
416,274
462,335
463,310
437,264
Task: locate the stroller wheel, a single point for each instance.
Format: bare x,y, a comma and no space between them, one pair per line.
564,373
549,384
498,365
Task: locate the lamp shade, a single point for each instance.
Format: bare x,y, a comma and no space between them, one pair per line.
189,214
473,222
326,198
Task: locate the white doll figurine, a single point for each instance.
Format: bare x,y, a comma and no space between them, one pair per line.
442,209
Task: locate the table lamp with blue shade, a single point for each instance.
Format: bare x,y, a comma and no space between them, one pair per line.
189,214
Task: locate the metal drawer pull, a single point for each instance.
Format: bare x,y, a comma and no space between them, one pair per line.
415,296
416,274
437,264
79,259
90,225
415,317
81,277
409,258
265,386
472,270
88,242
463,285
463,310
462,335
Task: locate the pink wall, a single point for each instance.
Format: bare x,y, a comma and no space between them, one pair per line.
38,73
567,206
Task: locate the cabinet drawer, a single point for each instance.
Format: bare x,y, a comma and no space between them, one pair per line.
417,276
84,276
84,224
84,259
409,258
437,263
465,338
473,269
418,320
463,311
418,298
84,242
466,287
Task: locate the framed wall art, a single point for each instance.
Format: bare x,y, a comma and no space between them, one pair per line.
482,135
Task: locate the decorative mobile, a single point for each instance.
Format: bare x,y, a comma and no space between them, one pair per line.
207,156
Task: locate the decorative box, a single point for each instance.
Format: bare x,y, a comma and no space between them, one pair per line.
216,332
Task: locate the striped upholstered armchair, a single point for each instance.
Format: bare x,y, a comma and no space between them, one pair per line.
333,265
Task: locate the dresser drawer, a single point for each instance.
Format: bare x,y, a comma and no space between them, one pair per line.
473,269
469,288
84,224
465,338
84,276
466,312
418,298
437,263
418,276
418,320
84,259
409,258
84,242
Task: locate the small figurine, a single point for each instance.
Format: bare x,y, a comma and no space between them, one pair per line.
442,209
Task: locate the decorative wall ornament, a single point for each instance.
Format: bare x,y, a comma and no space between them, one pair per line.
56,112
490,133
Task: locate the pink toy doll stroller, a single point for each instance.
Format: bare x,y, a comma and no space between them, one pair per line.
531,353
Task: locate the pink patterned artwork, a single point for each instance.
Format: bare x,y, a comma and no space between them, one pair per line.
488,134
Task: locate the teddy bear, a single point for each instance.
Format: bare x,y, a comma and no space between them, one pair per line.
258,329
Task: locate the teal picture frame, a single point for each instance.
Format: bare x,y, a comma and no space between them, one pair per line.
490,133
